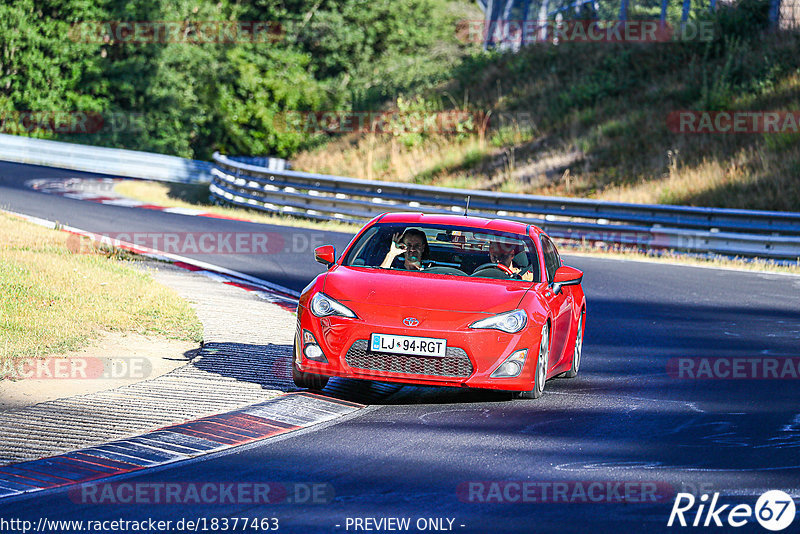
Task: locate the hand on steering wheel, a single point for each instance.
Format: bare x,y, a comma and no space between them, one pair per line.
491,265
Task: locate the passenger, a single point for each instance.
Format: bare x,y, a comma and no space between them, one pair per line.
503,255
413,244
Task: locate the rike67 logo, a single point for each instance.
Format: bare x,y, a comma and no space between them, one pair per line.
774,510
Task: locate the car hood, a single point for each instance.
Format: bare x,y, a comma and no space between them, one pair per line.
384,287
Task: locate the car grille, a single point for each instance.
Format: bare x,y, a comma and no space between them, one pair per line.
456,363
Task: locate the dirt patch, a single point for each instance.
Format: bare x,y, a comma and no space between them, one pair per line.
115,360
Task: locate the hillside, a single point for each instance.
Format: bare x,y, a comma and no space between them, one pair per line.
599,120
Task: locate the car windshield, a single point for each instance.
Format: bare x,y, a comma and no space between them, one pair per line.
446,250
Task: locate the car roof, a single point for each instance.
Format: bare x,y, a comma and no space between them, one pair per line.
501,225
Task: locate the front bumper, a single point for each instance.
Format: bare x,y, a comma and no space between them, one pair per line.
472,355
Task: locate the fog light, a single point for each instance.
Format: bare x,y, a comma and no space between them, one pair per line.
508,369
512,366
313,352
311,349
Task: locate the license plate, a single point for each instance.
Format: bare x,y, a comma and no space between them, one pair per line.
417,346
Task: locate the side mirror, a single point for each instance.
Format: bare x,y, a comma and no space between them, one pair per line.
566,276
325,255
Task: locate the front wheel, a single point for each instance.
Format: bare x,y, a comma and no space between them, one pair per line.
576,354
307,380
541,367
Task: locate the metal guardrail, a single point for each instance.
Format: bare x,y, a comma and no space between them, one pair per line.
101,160
323,197
267,184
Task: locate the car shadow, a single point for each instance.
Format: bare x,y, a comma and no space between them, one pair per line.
270,367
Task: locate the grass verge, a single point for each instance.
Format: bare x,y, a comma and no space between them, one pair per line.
53,300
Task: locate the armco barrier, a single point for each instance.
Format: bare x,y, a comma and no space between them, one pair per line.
113,161
323,197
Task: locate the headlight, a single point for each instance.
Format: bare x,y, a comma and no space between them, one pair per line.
510,322
323,306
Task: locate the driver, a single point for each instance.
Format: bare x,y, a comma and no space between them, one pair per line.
503,255
413,244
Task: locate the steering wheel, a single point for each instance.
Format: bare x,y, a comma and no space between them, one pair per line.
492,265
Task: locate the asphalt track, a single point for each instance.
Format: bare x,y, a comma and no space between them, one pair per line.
417,453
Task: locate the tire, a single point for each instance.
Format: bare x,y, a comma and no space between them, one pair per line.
307,380
542,361
578,351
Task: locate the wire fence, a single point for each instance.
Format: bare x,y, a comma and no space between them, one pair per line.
790,15
538,16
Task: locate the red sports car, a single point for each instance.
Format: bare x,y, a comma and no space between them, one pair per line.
442,300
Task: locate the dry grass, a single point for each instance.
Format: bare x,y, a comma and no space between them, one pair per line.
383,157
53,300
599,128
754,177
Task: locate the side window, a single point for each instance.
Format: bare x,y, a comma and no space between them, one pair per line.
551,259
